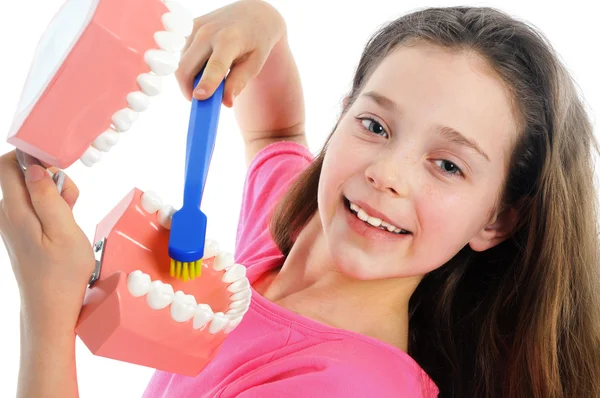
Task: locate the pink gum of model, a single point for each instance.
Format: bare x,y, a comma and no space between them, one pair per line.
78,102
115,324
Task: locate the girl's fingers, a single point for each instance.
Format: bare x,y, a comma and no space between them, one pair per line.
198,23
225,51
16,204
241,73
54,213
192,61
70,192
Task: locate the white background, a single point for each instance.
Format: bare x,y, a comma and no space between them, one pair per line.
327,38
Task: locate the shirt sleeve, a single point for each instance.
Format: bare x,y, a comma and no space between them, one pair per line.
269,175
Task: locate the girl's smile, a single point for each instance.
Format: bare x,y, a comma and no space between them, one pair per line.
369,231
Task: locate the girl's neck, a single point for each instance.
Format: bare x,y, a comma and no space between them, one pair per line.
309,284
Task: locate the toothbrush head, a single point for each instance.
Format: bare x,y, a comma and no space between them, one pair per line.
186,243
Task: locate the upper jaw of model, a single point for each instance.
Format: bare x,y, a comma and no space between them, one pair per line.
94,71
162,61
184,307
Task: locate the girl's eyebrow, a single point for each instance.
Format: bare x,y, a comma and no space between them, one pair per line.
446,132
383,101
457,138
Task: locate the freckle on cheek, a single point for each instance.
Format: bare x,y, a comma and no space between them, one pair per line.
428,190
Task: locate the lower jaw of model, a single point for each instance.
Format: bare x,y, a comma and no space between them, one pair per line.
137,312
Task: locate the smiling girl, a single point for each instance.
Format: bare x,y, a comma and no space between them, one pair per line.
443,242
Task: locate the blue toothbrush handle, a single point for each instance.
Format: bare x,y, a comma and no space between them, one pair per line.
202,132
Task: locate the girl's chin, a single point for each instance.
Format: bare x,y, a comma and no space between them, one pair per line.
355,264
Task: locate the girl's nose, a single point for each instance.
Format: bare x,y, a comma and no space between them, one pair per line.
389,174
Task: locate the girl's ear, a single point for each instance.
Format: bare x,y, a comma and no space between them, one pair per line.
498,230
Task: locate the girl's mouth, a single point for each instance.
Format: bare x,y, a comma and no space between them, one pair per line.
372,223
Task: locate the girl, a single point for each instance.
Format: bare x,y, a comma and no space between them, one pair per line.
442,243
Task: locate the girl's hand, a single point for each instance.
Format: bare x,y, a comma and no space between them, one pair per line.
51,257
239,37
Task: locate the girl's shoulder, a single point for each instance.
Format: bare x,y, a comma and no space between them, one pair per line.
278,162
269,175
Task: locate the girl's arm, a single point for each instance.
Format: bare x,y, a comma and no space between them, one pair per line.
47,366
52,262
248,39
271,107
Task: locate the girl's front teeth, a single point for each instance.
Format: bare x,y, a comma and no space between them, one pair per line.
374,221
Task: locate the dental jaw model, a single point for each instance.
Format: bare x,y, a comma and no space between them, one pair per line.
95,69
137,312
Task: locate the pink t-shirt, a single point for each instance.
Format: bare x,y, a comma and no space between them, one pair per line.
275,352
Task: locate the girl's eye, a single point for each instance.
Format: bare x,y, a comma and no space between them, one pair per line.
373,126
448,167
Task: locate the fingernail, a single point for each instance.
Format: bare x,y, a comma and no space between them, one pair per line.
34,173
199,92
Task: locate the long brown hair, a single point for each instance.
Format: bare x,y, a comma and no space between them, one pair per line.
520,319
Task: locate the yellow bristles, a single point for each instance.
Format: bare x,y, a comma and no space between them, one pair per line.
186,271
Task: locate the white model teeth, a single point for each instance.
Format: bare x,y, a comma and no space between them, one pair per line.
151,202
232,324
138,283
123,119
161,62
240,295
138,101
165,216
178,22
211,248
234,273
374,221
183,307
105,141
160,295
223,260
202,316
219,321
91,156
239,285
240,303
233,312
169,41
150,84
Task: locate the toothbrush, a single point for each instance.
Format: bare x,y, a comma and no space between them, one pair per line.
188,227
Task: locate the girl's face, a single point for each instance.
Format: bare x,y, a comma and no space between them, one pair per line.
425,146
